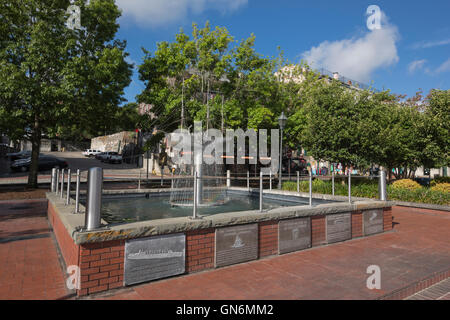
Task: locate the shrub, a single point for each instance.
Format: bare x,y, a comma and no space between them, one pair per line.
289,186
437,180
407,184
369,189
441,187
421,195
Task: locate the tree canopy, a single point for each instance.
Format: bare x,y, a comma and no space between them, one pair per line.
54,78
212,77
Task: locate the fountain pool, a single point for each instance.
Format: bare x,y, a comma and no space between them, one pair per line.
126,208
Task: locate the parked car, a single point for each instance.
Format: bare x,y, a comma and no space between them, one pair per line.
104,156
115,158
19,155
91,153
44,163
98,156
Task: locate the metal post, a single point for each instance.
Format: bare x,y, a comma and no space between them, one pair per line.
62,184
139,181
298,181
53,184
280,175
349,185
199,176
57,181
162,177
382,186
194,211
228,178
77,193
69,178
270,179
248,180
261,192
51,181
94,198
171,181
148,160
310,187
332,179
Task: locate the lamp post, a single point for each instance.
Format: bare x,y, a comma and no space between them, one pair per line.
282,122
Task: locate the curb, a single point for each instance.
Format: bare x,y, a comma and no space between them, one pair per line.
422,205
417,286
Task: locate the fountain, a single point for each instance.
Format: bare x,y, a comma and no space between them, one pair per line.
199,186
199,183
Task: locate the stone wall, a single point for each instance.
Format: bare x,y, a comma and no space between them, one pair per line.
46,145
114,142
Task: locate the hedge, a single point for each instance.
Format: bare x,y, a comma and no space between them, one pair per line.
369,189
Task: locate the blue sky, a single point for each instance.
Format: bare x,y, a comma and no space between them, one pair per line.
410,52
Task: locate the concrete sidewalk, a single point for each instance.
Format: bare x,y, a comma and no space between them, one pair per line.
417,249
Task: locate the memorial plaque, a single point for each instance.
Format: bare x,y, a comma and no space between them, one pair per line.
154,258
236,244
373,221
339,227
294,235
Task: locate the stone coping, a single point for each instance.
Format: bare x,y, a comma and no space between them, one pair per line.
73,222
422,205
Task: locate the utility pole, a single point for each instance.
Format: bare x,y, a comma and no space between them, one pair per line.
182,105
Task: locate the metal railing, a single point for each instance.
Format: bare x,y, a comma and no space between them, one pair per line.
93,195
95,187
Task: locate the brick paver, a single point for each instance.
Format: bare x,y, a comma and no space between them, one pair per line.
439,291
417,247
29,265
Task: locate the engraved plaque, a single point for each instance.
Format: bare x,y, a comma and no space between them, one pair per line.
154,258
373,221
294,235
236,244
339,227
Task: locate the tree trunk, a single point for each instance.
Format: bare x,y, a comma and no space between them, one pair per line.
36,145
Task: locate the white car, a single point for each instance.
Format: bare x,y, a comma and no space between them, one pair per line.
91,153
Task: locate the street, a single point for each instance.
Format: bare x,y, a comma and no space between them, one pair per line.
76,161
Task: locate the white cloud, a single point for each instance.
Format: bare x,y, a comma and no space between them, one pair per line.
131,61
416,65
444,67
425,45
357,58
159,12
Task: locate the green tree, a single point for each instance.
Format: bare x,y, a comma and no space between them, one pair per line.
183,79
127,118
435,130
332,125
53,77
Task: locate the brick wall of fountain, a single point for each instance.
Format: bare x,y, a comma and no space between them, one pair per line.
101,263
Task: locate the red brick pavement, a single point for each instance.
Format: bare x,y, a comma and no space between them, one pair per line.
418,246
29,265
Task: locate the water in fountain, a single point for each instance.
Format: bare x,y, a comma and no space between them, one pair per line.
211,184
